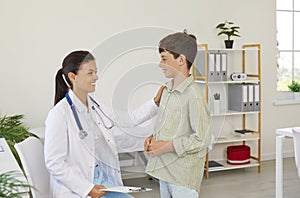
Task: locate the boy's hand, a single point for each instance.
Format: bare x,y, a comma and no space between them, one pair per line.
160,147
147,143
158,95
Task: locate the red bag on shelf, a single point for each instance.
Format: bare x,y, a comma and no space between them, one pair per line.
238,154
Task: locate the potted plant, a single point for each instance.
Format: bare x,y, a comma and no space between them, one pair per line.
9,185
295,87
14,131
229,29
217,103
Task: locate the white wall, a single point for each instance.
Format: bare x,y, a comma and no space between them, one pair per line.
36,35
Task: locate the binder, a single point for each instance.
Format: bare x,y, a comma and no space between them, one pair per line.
224,66
245,101
256,98
218,76
199,64
250,97
217,66
200,67
211,67
238,97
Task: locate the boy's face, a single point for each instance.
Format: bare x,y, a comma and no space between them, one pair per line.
168,64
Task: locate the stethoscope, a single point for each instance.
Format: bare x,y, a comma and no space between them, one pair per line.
82,132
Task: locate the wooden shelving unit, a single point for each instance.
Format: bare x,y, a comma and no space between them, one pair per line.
226,137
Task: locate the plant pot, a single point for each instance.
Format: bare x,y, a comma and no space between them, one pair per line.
217,106
297,95
228,44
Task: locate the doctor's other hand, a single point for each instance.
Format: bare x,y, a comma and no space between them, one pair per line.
158,95
96,191
147,143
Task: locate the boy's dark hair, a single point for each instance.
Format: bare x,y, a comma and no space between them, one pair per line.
180,43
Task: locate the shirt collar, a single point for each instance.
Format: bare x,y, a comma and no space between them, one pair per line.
182,86
77,102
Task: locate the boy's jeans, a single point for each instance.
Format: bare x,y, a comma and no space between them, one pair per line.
168,190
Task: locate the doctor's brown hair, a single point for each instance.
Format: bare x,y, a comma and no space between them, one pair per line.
71,63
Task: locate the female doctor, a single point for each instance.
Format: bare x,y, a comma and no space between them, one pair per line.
80,151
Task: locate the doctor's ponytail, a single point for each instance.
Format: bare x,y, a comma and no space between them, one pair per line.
61,87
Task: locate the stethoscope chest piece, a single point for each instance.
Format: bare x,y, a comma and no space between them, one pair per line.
82,134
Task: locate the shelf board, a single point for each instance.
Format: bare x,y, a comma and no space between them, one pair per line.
228,50
253,163
231,138
229,112
228,81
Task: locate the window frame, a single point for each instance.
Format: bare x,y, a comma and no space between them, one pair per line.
292,51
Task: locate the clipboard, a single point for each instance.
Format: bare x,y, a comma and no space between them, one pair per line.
126,189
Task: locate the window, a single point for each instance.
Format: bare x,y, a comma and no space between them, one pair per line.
288,42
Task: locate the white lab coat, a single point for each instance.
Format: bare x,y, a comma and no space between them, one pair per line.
71,160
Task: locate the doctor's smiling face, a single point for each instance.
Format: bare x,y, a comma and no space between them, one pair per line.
84,81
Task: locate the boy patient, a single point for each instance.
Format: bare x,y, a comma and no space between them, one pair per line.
181,135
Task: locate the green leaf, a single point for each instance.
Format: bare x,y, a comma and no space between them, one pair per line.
294,87
14,131
228,28
9,185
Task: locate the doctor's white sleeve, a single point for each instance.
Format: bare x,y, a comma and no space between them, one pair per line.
131,119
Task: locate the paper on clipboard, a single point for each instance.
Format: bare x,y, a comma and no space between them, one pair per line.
126,189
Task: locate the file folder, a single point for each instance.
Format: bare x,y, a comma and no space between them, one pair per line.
200,67
217,66
224,66
250,97
256,98
199,64
211,67
238,97
218,76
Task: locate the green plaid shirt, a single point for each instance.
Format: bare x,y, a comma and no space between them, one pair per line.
183,117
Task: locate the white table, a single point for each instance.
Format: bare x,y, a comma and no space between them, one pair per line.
280,134
9,163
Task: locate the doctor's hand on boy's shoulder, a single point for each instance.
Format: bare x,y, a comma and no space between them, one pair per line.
96,191
158,95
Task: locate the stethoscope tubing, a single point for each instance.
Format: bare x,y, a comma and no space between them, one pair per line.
82,132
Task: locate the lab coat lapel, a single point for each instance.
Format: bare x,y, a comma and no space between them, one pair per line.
107,133
88,141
